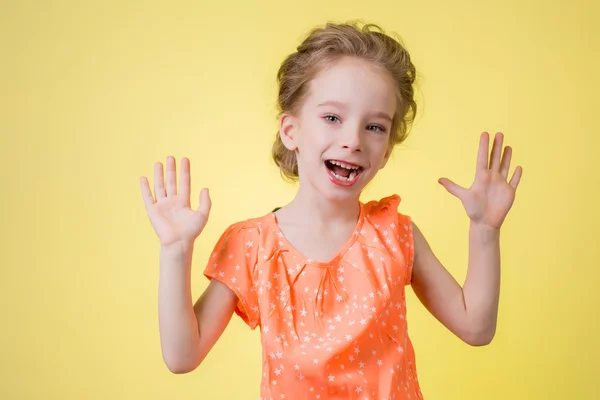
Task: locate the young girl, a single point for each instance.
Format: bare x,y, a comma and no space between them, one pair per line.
324,276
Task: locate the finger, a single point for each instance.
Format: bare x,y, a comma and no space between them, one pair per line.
496,152
159,181
205,203
482,154
171,177
505,165
146,192
452,187
516,178
184,181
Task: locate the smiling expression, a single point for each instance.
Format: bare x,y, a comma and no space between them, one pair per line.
341,133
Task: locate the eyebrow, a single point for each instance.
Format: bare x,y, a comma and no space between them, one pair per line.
343,105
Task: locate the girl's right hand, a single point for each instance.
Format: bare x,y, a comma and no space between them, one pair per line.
170,214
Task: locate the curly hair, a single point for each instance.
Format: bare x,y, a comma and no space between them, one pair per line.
323,47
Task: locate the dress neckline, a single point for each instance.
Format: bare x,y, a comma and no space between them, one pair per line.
340,253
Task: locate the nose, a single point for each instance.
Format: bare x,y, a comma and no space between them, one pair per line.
352,139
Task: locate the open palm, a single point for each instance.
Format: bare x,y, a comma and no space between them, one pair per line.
170,214
490,197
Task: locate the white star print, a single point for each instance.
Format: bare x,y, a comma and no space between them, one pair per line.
290,293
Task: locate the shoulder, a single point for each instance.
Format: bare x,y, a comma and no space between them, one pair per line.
393,230
392,201
384,214
238,243
386,207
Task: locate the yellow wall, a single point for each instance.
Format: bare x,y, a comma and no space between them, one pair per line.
92,95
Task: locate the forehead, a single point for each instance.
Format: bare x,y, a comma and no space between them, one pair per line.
358,83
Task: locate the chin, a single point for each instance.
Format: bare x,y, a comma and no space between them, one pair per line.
337,194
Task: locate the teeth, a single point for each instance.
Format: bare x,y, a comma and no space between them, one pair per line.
344,165
343,178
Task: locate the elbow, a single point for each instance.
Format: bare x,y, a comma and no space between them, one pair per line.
479,341
180,361
479,337
180,367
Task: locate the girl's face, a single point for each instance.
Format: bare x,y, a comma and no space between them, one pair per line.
341,134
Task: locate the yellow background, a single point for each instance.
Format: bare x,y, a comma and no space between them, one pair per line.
93,93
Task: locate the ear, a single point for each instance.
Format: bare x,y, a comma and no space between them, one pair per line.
288,128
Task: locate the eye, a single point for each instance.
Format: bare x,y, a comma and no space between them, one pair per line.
381,128
331,117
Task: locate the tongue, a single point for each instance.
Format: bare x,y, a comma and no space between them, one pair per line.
341,171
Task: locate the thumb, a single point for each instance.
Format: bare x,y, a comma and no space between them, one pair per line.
452,187
205,203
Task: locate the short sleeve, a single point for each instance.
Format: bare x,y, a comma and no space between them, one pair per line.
384,213
233,262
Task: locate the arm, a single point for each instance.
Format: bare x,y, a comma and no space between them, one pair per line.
188,332
470,312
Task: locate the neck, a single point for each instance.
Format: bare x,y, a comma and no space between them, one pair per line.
313,209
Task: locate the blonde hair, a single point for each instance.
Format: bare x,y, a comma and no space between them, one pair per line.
322,48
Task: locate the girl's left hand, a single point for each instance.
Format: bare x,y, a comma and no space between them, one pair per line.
490,197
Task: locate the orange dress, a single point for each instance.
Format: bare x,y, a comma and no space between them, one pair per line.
333,330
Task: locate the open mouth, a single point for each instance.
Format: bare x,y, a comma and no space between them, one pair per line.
344,172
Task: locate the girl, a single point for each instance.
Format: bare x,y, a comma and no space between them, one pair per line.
324,276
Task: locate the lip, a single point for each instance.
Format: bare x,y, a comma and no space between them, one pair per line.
341,183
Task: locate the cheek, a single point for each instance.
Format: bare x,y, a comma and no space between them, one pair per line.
384,144
379,151
312,145
317,140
